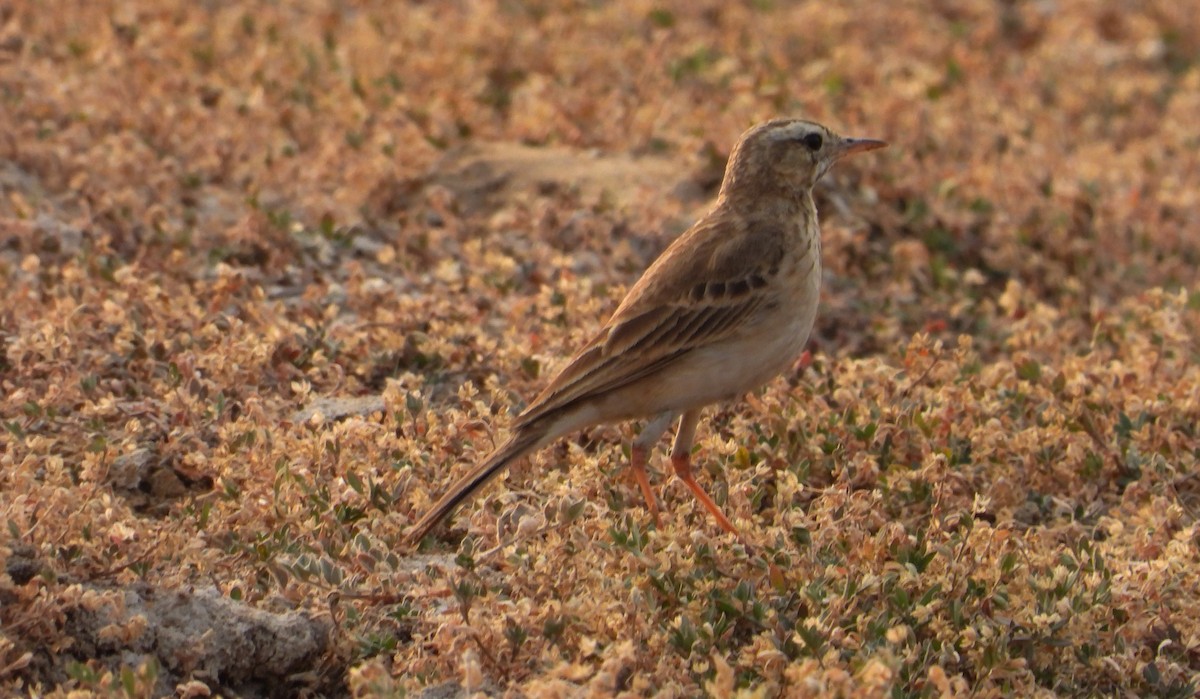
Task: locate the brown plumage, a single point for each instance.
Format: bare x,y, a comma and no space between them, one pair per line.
725,308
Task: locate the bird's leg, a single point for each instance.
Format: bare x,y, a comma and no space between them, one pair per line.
637,463
638,454
681,460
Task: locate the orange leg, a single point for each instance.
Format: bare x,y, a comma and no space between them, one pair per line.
640,451
637,464
681,460
683,469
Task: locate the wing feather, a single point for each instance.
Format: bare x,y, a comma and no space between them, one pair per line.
698,293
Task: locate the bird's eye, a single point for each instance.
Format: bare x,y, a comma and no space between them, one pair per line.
813,141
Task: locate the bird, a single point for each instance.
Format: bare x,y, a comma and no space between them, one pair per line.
725,308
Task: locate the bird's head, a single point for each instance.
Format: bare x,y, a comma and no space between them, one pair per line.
788,154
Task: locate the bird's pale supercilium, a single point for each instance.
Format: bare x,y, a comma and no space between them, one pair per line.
724,309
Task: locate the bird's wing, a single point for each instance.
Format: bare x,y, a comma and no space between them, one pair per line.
702,289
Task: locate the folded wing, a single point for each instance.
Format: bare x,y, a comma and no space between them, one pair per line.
681,304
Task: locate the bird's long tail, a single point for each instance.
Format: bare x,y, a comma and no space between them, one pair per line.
525,440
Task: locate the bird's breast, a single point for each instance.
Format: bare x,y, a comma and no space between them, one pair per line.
768,345
786,322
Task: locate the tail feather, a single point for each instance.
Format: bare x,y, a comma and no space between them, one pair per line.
526,439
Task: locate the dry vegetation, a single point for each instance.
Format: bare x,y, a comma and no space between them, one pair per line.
274,272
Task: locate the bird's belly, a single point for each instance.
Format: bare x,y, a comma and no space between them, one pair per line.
765,354
726,370
778,337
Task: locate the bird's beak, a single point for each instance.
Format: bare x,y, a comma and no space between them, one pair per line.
849,146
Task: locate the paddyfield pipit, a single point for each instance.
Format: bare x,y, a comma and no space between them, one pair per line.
725,308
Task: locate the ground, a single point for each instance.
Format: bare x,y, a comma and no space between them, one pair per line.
276,272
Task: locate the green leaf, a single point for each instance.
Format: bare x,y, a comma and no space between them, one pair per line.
1029,371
